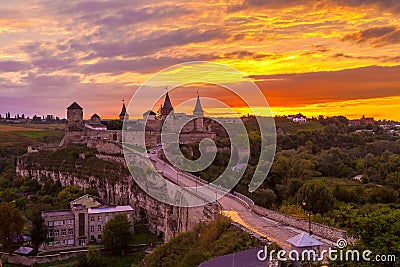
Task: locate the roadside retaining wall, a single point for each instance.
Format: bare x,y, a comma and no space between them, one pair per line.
32,260
329,233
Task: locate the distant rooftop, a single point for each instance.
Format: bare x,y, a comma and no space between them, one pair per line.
303,240
57,212
149,112
89,201
110,209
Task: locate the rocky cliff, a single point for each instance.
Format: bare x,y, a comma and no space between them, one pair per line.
118,187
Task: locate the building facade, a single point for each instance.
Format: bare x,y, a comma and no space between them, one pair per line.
83,224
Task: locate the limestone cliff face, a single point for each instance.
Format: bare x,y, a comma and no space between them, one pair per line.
162,218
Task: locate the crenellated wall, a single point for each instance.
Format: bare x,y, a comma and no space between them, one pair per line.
162,218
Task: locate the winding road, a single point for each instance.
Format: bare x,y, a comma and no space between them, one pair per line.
234,207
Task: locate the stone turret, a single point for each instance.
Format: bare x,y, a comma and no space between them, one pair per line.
198,114
124,114
75,117
166,107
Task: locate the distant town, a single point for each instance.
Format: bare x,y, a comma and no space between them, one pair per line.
363,124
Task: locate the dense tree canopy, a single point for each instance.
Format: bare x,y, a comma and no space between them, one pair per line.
118,233
316,197
38,231
68,194
11,225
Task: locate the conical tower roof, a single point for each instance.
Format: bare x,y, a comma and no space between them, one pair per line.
123,111
198,107
74,106
167,104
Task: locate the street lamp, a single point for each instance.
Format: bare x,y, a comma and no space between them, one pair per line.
304,203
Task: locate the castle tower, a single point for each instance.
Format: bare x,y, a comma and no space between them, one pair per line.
75,117
95,118
166,107
123,115
198,114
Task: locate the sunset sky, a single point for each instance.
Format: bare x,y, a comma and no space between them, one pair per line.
330,57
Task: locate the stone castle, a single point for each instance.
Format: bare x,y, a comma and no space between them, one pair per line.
95,133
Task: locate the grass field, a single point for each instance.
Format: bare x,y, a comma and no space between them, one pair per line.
63,263
124,261
136,148
30,127
18,137
12,128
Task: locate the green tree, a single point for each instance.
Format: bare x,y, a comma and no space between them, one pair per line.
38,231
11,224
68,194
94,258
115,125
378,232
92,191
264,197
393,180
317,198
118,233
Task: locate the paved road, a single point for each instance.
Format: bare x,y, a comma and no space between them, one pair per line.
235,208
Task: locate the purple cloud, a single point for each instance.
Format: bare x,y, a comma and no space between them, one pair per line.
155,42
128,16
377,36
141,65
13,66
387,5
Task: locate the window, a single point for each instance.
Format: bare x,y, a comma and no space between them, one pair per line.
70,231
56,232
70,242
63,232
92,228
81,224
99,218
50,233
92,219
92,238
99,237
50,223
106,218
99,228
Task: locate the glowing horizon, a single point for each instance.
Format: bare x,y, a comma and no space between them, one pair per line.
314,57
